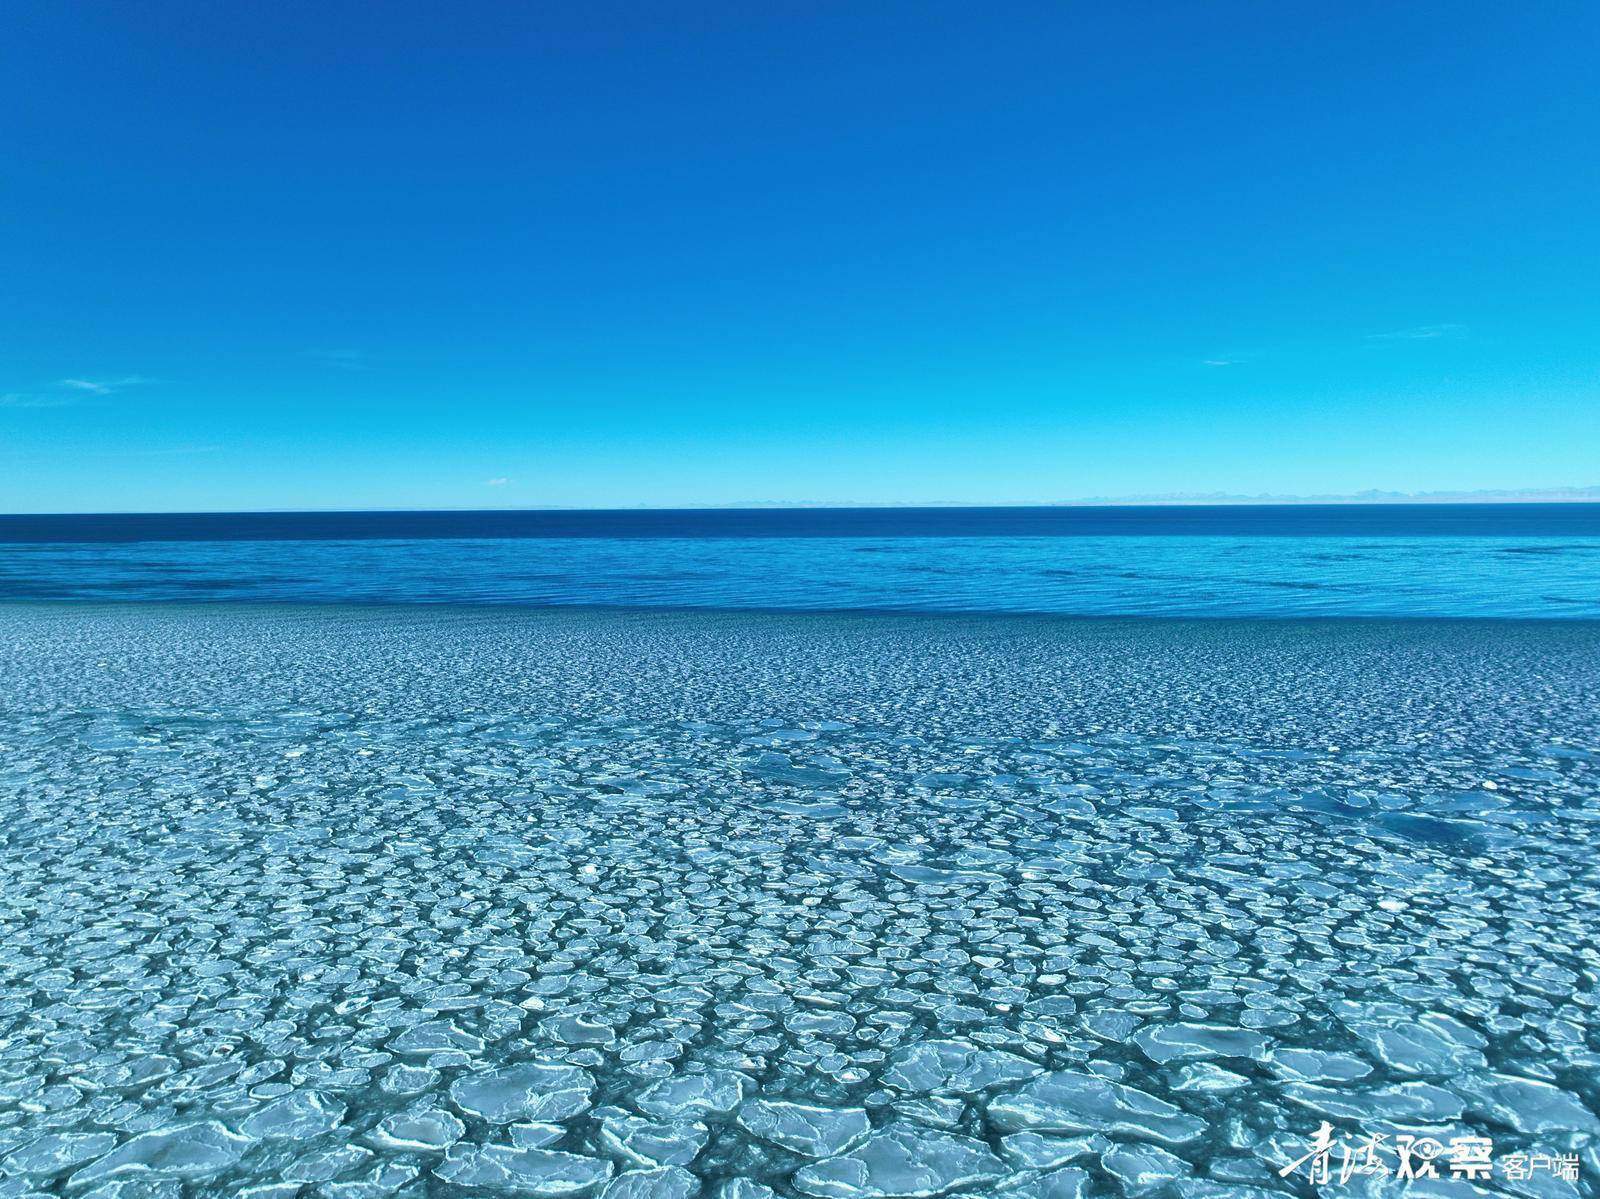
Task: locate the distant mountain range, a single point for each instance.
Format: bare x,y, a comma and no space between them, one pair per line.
1503,495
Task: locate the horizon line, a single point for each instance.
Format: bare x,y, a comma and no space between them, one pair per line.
1554,496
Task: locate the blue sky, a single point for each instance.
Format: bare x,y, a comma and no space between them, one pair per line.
402,255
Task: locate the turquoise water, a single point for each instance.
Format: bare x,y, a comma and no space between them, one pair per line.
1551,577
353,901
796,855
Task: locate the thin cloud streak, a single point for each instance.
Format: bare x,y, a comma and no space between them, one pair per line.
101,387
18,399
344,360
1422,333
63,393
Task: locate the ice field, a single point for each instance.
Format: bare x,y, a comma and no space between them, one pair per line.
354,902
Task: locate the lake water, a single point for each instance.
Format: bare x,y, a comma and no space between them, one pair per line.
1469,560
452,854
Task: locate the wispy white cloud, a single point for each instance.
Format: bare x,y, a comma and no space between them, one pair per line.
344,360
19,399
65,392
500,482
101,387
1422,333
1220,362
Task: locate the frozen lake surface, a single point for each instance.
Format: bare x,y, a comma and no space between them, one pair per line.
352,902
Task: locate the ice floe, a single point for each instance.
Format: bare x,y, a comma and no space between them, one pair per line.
341,903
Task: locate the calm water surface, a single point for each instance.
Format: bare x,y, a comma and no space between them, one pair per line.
1483,560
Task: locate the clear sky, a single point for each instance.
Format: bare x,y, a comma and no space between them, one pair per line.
325,254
